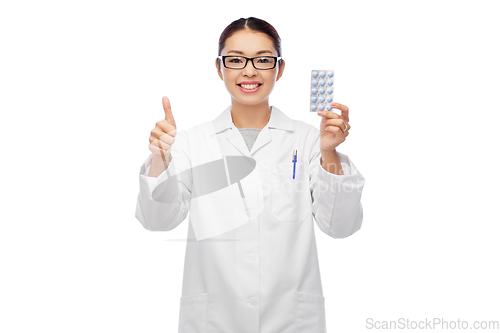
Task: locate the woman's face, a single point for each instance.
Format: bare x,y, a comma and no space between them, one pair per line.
249,43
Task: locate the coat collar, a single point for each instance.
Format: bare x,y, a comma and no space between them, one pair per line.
224,121
278,120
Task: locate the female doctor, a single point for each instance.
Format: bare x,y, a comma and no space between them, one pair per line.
251,264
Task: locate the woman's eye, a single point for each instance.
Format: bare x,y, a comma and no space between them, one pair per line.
235,60
264,60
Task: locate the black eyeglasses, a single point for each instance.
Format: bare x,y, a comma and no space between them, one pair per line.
240,62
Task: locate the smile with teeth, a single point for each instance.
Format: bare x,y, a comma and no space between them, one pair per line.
249,86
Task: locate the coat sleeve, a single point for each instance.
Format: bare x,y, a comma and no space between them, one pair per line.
336,199
163,202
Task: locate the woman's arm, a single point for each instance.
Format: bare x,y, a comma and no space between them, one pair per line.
330,161
163,201
336,204
158,165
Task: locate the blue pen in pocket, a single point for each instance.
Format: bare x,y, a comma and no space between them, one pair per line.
294,161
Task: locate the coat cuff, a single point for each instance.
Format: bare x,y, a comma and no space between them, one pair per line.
148,184
340,212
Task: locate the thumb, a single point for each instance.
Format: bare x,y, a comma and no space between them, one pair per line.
168,111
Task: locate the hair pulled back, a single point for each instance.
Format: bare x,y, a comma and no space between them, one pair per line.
254,24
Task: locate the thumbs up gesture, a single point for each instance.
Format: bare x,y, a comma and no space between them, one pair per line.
163,135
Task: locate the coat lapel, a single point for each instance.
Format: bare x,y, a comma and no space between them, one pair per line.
277,120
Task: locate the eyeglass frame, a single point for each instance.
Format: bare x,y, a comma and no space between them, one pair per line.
276,59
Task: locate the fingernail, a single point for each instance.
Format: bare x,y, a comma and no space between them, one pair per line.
323,120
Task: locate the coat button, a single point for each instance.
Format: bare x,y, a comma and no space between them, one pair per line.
251,256
253,301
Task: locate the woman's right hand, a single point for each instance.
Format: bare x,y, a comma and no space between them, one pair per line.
163,135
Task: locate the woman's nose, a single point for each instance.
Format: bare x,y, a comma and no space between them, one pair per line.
249,70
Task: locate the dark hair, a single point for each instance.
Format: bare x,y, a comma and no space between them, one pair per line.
254,24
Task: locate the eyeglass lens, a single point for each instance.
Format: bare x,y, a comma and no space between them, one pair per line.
239,62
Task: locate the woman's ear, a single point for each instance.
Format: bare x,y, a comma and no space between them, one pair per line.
281,69
217,65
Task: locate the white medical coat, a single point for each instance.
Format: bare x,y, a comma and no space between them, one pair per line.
262,275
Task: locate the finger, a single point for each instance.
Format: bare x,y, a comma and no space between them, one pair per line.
342,124
335,122
328,114
168,110
160,146
332,130
344,110
158,134
166,127
336,131
159,151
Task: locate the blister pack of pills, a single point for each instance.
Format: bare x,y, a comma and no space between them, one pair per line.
321,90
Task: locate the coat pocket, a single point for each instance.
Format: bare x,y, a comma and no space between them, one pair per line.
193,313
310,313
290,198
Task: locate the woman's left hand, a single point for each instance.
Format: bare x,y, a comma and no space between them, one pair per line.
332,127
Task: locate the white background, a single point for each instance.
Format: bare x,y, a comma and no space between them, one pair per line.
81,88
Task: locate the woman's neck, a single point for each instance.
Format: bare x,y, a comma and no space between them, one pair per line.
250,116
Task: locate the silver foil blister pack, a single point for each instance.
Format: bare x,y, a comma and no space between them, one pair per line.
321,90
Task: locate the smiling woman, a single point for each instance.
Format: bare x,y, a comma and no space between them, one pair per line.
251,262
255,41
